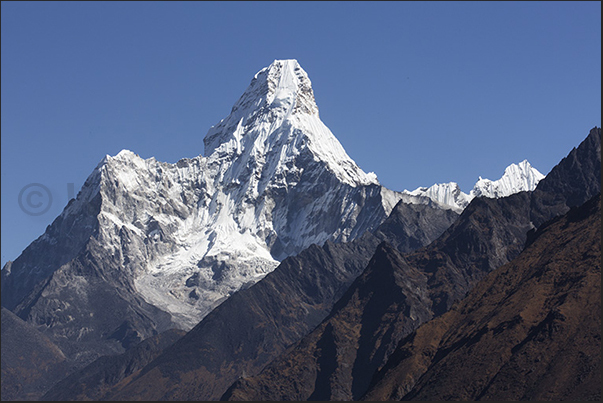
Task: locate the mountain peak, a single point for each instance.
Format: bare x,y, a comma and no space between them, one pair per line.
274,180
283,84
517,178
276,92
275,121
289,85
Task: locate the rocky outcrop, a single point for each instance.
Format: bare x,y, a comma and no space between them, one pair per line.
572,182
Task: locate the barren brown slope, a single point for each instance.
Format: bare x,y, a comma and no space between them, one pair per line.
531,330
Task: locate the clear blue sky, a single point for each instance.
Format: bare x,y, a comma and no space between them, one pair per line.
417,92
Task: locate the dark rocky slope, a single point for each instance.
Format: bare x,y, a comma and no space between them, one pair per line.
93,381
530,331
570,183
392,297
489,233
363,324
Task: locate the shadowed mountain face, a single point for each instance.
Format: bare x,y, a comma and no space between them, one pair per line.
530,331
31,363
573,181
488,234
364,324
411,226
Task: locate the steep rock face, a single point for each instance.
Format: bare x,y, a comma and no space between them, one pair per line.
59,245
572,182
411,226
31,362
530,331
163,243
517,178
363,325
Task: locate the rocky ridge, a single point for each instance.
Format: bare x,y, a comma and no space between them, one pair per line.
530,331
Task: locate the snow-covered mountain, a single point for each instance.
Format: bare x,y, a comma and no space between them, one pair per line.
517,178
448,194
149,245
185,236
274,180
